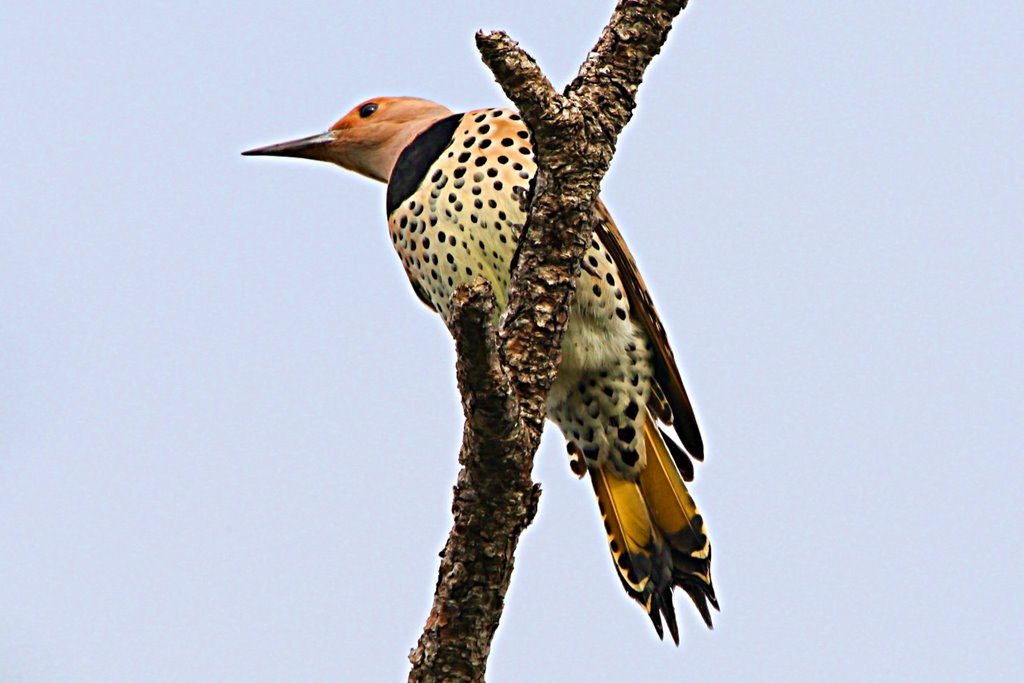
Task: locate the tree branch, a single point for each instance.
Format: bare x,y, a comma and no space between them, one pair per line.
495,500
505,375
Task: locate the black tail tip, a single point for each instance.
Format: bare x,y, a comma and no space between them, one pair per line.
661,606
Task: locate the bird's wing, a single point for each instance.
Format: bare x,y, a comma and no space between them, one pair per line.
666,374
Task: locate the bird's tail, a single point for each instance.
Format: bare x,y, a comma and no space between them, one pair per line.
656,534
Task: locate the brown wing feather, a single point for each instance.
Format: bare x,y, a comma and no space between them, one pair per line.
666,374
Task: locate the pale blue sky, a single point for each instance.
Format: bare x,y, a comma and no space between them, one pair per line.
228,430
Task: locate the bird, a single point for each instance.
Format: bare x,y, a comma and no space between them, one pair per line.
458,190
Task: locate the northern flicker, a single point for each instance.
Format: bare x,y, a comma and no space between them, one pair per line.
457,190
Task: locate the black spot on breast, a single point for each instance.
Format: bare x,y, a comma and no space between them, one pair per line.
620,313
630,457
416,159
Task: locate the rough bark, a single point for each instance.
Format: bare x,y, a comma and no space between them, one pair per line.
505,373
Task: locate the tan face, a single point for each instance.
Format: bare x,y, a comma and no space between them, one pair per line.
369,138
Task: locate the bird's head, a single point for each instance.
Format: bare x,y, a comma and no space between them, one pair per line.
366,140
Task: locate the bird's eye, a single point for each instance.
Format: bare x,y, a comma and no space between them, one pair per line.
367,109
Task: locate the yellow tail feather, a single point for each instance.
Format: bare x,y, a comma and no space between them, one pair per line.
656,534
677,518
668,500
631,535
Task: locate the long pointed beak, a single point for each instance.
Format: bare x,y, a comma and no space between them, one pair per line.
313,147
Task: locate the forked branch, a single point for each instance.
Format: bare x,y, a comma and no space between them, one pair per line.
505,373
